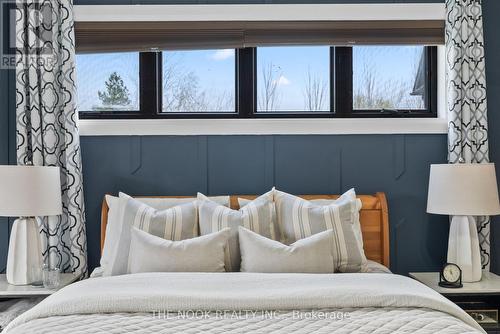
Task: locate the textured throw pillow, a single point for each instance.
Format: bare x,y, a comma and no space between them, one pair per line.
313,254
177,223
149,253
115,212
256,216
298,219
350,194
160,203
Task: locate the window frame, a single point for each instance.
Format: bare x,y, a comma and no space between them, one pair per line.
340,88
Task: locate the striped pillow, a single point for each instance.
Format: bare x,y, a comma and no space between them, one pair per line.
256,216
177,223
299,218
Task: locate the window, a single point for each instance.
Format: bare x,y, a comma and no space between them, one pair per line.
199,81
389,77
293,79
267,81
108,82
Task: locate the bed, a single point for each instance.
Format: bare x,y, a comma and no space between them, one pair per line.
371,302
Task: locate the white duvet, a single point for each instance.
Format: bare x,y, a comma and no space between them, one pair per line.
171,292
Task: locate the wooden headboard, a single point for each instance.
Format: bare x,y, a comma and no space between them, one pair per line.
373,216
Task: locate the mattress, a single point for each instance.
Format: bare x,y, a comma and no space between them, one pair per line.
245,302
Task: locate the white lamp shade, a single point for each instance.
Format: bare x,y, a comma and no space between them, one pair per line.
30,191
463,189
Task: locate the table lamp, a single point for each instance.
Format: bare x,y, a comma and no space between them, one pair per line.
27,192
463,191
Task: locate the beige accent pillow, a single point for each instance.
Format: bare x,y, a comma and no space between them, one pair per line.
149,253
349,194
310,255
177,223
258,216
115,219
298,218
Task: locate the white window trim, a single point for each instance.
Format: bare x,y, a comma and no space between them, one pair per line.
274,12
309,126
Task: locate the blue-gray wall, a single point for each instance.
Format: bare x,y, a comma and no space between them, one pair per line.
395,164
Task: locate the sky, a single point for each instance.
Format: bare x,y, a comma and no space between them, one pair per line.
393,66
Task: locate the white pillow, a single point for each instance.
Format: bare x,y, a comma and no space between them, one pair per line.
349,194
309,255
177,223
149,253
257,216
166,203
298,218
115,219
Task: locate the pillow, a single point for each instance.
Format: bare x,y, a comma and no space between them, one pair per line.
149,253
313,254
256,216
160,203
375,267
298,219
350,194
177,223
113,226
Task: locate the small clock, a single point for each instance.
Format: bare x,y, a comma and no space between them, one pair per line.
450,276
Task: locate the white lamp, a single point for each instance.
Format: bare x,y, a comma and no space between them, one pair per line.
27,192
464,190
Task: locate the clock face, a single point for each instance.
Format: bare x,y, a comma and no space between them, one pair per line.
451,273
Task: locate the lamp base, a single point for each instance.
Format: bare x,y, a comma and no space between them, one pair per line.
463,248
24,262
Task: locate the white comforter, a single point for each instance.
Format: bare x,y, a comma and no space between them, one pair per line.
144,294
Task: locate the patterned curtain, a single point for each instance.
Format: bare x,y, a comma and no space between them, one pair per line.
466,89
47,130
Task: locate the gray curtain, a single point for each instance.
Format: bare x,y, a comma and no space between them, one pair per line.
47,120
466,89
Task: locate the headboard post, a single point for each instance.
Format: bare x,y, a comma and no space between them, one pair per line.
386,255
104,221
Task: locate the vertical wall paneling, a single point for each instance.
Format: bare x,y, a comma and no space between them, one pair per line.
269,171
397,165
203,164
135,154
399,155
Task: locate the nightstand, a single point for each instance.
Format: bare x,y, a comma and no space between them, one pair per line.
17,299
28,291
481,299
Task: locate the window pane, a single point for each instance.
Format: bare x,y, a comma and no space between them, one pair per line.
108,82
390,77
199,81
293,79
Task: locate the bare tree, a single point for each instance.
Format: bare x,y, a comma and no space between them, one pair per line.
222,101
269,97
374,93
315,92
182,92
